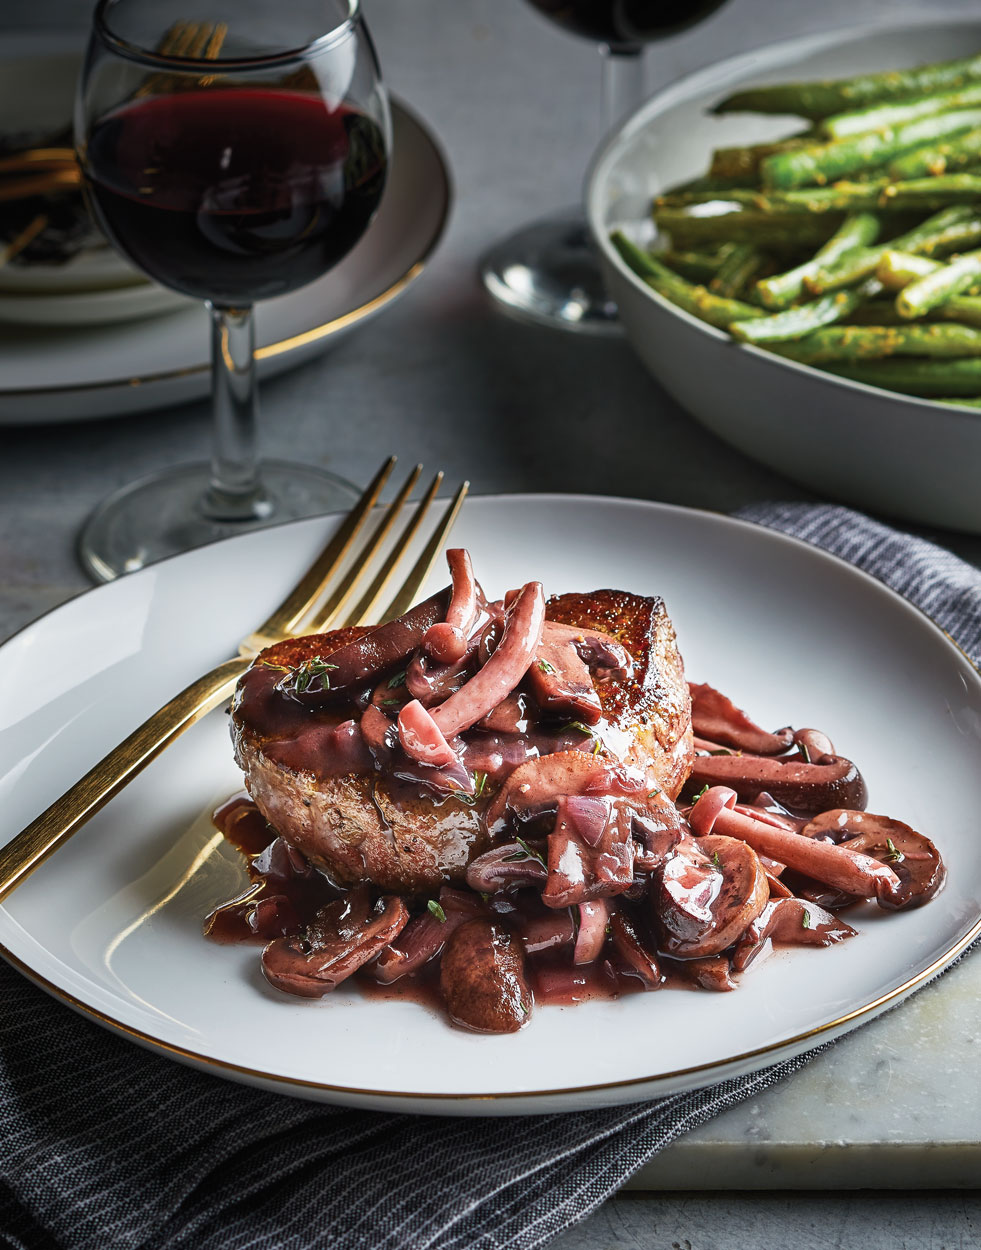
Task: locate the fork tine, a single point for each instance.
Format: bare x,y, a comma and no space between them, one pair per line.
423,566
201,34
325,616
216,39
287,617
361,615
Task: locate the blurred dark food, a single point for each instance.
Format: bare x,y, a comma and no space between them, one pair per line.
69,229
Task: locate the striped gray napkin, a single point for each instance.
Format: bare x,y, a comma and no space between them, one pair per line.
106,1145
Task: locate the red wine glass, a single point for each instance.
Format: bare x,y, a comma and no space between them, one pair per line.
232,154
547,272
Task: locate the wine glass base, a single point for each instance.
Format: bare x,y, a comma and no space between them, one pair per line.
548,273
163,515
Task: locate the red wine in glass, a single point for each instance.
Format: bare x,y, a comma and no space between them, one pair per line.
626,22
233,150
235,194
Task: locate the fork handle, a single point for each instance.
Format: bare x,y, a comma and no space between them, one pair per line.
66,815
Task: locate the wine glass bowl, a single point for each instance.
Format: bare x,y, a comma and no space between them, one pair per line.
233,158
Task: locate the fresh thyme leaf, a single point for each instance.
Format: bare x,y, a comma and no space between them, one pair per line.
805,920
280,668
597,747
436,910
514,858
480,780
716,859
397,680
390,702
524,1009
529,852
894,856
802,747
545,666
579,726
304,673
652,794
696,797
722,751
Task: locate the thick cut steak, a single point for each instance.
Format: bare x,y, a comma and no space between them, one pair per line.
312,775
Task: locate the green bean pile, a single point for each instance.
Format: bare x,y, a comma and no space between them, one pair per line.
854,245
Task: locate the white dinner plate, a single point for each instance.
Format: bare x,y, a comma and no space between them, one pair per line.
90,308
80,371
111,924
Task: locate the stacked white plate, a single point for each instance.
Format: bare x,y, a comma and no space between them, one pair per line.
93,338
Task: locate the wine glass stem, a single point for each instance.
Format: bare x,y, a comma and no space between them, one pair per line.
623,81
235,492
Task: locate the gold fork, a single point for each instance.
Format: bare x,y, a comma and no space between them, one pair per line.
300,612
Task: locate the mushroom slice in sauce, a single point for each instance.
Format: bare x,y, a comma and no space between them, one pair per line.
482,976
342,938
732,892
814,787
794,921
912,857
716,717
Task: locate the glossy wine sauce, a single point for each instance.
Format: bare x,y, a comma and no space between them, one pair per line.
235,194
285,893
325,739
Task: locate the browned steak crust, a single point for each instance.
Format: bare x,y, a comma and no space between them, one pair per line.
359,826
651,708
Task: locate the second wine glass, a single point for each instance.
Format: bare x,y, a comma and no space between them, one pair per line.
233,154
548,272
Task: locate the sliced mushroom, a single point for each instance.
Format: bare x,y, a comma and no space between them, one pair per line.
535,787
507,867
560,675
634,958
342,938
911,856
794,921
426,934
711,973
716,717
831,782
848,870
482,976
739,893
545,929
376,652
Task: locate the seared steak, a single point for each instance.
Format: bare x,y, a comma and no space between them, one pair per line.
360,811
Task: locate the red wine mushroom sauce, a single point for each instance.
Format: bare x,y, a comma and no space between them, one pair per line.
572,819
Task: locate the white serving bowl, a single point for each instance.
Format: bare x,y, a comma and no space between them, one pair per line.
895,454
